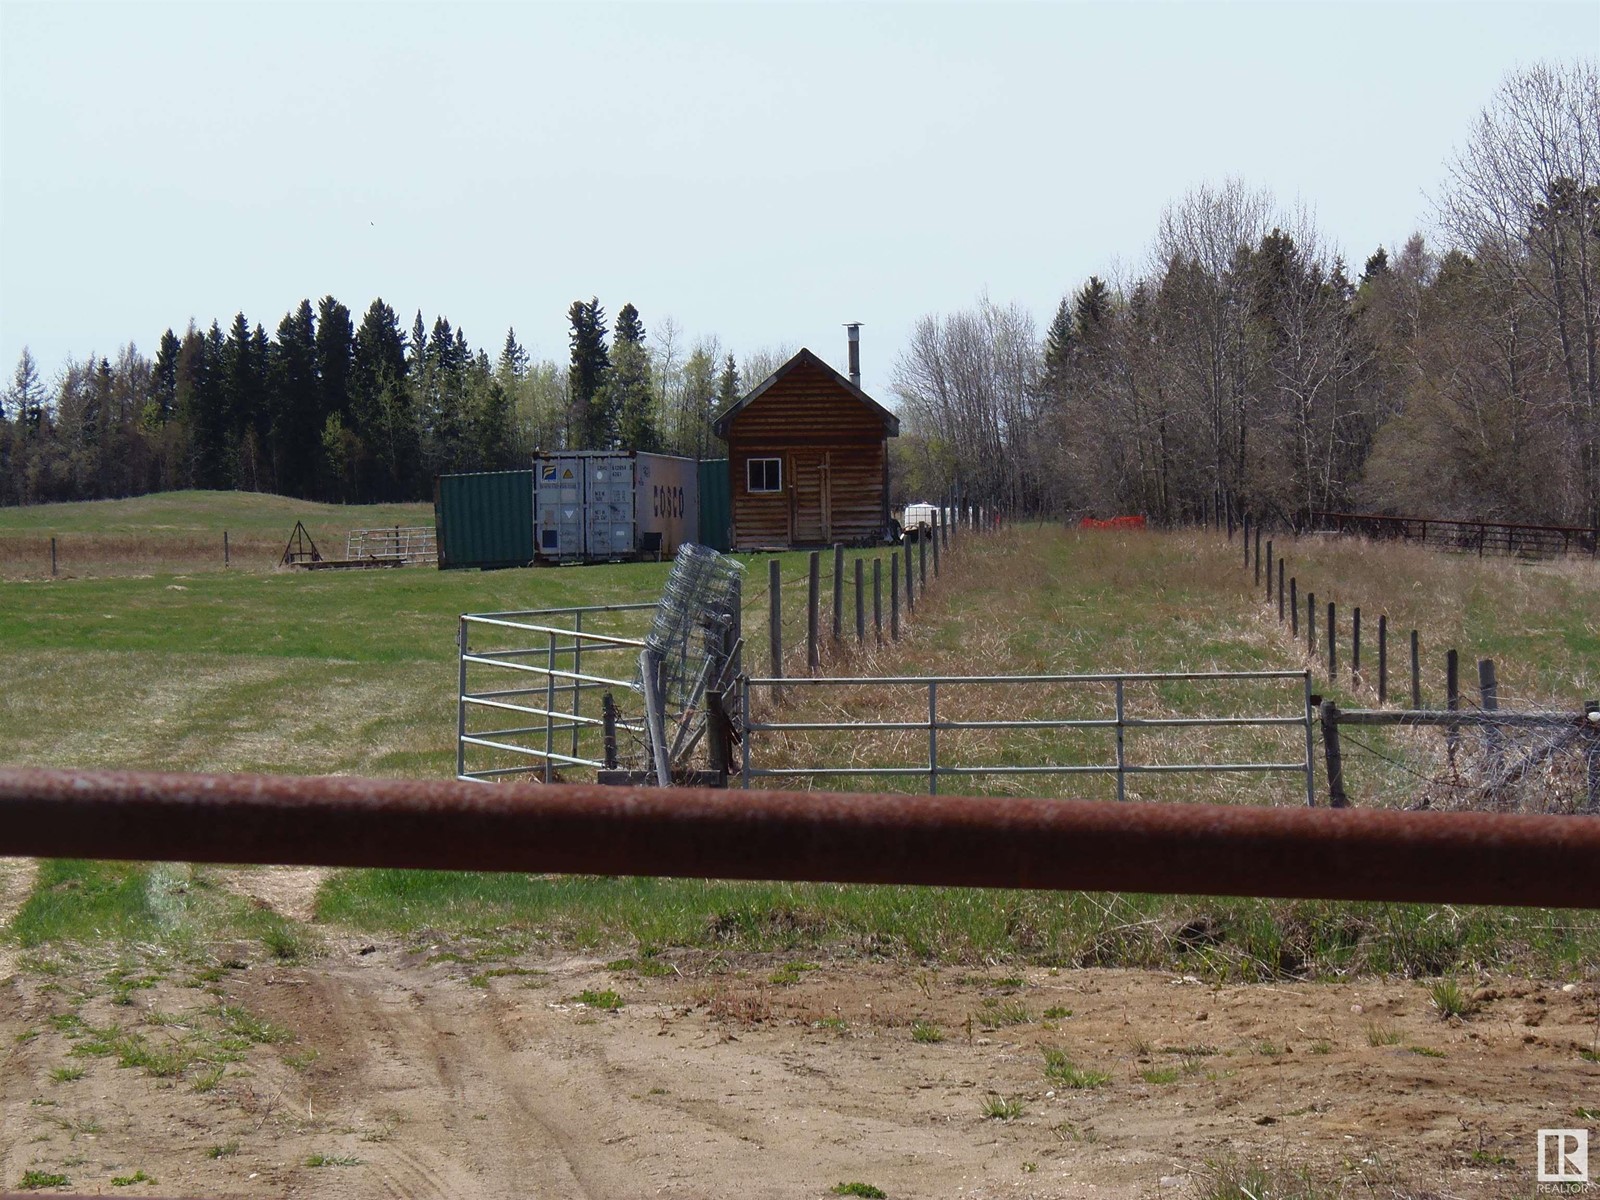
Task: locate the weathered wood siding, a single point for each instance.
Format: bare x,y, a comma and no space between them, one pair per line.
834,454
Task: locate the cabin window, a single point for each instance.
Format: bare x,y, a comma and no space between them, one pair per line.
764,474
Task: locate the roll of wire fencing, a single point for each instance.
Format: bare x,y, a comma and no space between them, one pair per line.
690,650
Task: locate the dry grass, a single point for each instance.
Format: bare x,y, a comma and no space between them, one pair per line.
1043,600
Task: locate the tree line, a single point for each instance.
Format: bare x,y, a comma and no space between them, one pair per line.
1451,378
331,409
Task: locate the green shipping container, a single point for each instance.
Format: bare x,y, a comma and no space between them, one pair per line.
716,504
484,520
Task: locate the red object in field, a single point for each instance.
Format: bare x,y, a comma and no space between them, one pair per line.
1112,523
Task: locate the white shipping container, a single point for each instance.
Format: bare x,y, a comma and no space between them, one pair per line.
600,506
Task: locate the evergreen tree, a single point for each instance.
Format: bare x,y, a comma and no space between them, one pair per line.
442,408
202,397
1059,344
25,398
382,413
728,385
629,328
1090,306
294,404
629,395
588,424
514,360
335,349
163,383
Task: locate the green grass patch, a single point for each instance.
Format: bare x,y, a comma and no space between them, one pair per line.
606,1000
926,1032
858,1189
32,1180
332,1160
1059,1069
129,1180
996,1107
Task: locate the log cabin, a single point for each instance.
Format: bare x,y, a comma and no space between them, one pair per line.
808,457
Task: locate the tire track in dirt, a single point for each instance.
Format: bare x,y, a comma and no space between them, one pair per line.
468,1119
17,879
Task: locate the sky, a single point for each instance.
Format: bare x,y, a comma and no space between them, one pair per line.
760,172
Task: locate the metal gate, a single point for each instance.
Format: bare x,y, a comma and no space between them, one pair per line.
1116,720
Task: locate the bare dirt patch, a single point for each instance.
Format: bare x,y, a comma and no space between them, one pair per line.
408,1072
289,891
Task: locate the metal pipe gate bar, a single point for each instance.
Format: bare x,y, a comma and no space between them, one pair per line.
1353,854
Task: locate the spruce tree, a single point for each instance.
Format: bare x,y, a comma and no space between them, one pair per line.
164,382
588,424
294,438
728,385
629,328
514,360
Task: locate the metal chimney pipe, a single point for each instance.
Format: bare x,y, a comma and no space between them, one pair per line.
853,332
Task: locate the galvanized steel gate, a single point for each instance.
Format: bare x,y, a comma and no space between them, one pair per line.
1296,711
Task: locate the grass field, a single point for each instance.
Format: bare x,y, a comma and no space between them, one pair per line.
331,673
179,531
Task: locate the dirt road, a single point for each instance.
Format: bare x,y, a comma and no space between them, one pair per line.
403,1072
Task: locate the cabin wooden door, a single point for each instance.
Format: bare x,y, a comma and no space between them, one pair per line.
810,498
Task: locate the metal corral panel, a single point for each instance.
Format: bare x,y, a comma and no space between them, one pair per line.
609,521
668,503
484,519
559,505
716,504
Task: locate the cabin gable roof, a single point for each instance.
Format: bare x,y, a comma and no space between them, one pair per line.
891,423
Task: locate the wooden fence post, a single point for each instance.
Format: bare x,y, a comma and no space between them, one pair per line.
1355,648
944,529
1489,698
813,598
1333,645
1294,607
838,591
1280,591
1335,761
1245,540
775,624
1416,670
1269,572
608,727
225,555
52,556
1452,701
1311,624
1383,659
922,561
938,528
911,599
1258,554
877,599
894,596
861,612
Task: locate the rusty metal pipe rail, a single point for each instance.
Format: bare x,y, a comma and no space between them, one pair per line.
1464,858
